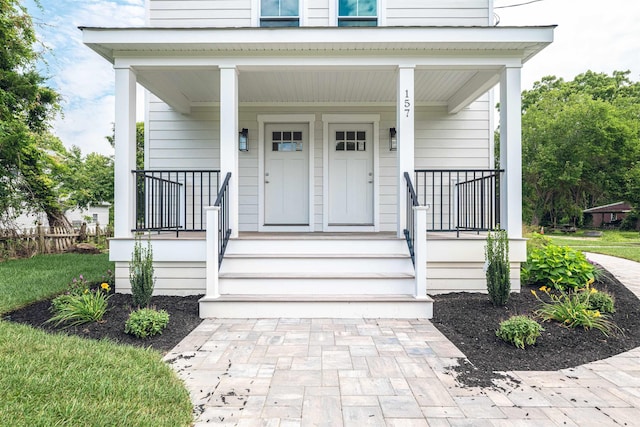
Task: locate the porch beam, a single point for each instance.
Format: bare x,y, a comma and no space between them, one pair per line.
229,139
125,152
476,86
170,92
511,152
405,137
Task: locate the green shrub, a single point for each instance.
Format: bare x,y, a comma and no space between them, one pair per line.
537,241
78,309
146,322
519,331
497,267
602,302
573,309
560,267
141,274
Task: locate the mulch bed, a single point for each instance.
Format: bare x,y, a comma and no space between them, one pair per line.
469,320
183,318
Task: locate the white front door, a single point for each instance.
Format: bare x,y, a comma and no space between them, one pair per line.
351,176
286,174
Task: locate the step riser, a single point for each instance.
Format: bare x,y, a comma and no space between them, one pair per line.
317,246
305,309
318,286
316,265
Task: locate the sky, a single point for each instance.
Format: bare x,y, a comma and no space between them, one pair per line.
591,35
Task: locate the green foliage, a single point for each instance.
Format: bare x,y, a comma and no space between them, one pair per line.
146,322
497,266
602,301
580,145
560,267
141,273
75,310
519,331
573,309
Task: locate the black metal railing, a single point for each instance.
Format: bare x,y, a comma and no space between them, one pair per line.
409,231
174,200
224,231
460,200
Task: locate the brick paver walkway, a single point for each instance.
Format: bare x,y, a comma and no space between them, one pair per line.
377,372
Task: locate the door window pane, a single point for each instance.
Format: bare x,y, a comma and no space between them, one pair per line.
351,141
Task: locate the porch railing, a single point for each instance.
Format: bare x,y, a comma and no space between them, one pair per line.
174,200
224,231
410,232
460,200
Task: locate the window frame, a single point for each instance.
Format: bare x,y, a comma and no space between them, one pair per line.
376,19
295,20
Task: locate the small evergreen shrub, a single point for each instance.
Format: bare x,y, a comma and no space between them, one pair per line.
141,274
602,302
146,322
560,267
497,267
519,331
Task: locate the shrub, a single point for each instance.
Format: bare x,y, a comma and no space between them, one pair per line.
537,241
519,331
146,322
560,267
497,267
141,274
573,310
602,301
78,309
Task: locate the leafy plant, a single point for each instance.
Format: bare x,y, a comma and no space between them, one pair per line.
78,309
537,241
560,267
109,278
573,309
141,274
602,302
146,322
497,267
78,286
519,331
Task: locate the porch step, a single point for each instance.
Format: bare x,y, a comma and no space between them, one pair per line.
316,306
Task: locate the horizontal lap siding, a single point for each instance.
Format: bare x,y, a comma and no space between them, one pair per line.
317,13
200,13
437,12
172,278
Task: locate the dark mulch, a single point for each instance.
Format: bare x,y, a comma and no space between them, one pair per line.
469,320
183,318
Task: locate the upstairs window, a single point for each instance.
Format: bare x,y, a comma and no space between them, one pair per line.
357,13
279,13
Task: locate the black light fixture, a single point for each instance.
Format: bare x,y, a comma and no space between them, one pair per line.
243,140
393,140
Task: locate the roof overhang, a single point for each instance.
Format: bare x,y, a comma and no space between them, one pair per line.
454,65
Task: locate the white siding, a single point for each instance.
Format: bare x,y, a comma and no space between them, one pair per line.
317,13
437,12
172,278
200,13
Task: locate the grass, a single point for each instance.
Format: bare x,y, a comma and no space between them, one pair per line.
65,380
623,244
24,281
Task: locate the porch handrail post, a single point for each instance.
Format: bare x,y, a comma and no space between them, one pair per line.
420,245
212,283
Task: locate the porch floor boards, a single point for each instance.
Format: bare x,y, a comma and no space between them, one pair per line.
432,235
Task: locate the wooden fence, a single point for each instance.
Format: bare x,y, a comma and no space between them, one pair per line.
50,240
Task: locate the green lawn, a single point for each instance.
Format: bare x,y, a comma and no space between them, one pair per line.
623,244
63,380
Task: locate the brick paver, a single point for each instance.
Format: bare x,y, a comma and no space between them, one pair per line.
387,372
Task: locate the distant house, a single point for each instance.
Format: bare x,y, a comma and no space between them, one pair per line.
347,147
98,214
610,215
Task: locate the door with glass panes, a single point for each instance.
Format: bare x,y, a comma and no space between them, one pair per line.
351,174
286,174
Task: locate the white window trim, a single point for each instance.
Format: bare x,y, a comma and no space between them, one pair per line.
334,8
328,119
263,119
302,13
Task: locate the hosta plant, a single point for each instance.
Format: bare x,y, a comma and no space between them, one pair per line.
519,331
559,267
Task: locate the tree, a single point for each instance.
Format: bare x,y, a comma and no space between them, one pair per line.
86,180
27,106
580,140
139,143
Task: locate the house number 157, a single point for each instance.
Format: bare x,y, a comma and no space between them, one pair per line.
407,103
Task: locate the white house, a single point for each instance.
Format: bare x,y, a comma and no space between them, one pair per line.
312,124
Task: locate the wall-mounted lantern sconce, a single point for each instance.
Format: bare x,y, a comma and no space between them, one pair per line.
393,139
243,140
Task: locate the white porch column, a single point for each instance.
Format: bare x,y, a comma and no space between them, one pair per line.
405,138
420,250
229,139
511,152
212,288
125,156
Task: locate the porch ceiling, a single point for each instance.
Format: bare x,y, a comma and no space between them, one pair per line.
454,65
